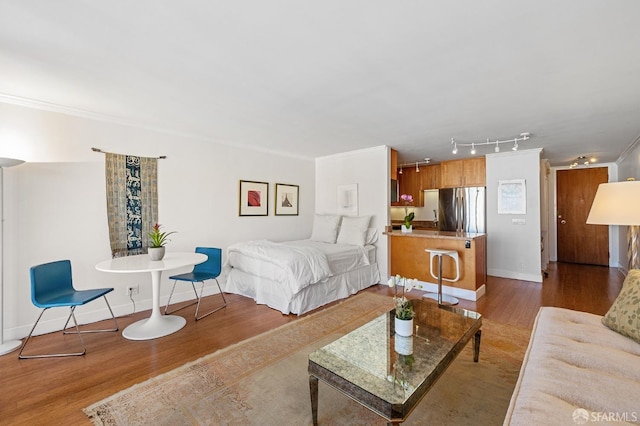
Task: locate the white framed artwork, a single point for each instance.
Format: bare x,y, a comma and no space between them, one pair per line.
512,196
348,199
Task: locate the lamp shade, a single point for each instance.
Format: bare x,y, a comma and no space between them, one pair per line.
9,162
616,203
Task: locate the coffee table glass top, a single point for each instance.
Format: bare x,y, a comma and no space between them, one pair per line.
388,369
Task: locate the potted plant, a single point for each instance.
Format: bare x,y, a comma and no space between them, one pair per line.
407,199
403,309
157,240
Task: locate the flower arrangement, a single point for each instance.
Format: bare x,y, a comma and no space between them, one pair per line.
157,237
407,199
404,310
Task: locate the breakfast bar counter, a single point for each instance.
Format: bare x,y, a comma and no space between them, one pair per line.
409,259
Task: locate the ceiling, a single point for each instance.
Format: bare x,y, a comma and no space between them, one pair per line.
314,78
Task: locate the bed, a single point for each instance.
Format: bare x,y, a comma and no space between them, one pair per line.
298,276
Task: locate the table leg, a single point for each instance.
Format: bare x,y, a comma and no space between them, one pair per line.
157,325
476,346
313,387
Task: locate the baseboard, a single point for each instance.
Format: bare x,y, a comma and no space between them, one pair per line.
98,311
503,273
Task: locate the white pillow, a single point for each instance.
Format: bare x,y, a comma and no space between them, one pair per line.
353,230
325,228
372,236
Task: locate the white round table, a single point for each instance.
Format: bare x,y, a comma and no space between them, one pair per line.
157,325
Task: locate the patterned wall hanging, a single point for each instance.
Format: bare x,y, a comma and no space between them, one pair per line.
132,202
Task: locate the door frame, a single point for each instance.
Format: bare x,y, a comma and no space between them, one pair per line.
614,239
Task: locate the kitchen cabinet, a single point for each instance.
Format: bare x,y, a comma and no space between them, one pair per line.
463,173
410,183
393,166
430,177
408,258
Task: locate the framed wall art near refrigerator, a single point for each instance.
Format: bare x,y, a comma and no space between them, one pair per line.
253,198
287,199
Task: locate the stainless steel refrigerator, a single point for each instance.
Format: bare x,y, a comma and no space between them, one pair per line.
462,209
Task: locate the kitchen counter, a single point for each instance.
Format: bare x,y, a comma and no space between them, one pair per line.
409,259
419,233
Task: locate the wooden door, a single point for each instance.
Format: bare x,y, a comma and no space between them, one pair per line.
577,241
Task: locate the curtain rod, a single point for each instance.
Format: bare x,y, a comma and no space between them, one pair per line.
162,157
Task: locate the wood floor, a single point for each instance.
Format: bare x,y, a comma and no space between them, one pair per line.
54,391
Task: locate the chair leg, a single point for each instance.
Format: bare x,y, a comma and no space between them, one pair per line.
64,330
215,310
166,311
84,350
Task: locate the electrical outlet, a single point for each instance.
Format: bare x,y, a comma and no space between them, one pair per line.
132,290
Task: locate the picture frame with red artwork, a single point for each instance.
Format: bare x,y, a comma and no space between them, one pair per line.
254,198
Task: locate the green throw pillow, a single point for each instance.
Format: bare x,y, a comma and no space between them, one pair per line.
624,314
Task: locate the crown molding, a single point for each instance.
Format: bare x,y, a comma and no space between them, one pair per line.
77,112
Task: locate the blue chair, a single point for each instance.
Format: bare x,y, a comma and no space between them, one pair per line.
208,270
52,287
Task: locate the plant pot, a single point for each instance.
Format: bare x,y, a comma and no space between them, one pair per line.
406,230
156,253
404,327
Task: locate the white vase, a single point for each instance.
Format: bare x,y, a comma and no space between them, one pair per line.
156,253
404,327
406,230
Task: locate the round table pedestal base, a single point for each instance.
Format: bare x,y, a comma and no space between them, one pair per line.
154,327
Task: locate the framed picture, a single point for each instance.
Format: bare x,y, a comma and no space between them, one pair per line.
254,198
287,199
348,199
512,197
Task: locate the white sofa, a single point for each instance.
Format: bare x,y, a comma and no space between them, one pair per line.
576,370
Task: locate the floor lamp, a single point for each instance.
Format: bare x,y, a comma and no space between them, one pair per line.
618,203
11,345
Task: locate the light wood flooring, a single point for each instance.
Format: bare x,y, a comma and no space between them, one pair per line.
54,391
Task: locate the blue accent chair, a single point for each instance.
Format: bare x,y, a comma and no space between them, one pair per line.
52,287
208,270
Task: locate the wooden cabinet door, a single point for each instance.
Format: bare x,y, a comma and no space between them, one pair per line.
475,173
430,177
451,173
410,183
393,167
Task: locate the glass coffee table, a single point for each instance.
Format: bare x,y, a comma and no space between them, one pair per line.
390,374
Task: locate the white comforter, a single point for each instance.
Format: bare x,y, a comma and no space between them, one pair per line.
295,266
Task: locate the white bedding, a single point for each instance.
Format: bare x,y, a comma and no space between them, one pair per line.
277,274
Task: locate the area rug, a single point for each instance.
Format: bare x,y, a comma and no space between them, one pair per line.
264,380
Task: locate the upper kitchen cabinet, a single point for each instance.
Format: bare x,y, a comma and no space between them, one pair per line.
410,183
430,177
463,173
393,167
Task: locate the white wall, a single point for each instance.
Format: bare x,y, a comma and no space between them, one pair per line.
369,169
55,204
513,250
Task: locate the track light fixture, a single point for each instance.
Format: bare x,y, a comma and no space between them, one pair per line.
522,137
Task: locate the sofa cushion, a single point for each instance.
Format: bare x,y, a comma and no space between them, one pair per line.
575,365
624,314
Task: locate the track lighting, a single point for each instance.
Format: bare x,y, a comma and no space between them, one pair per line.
523,137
